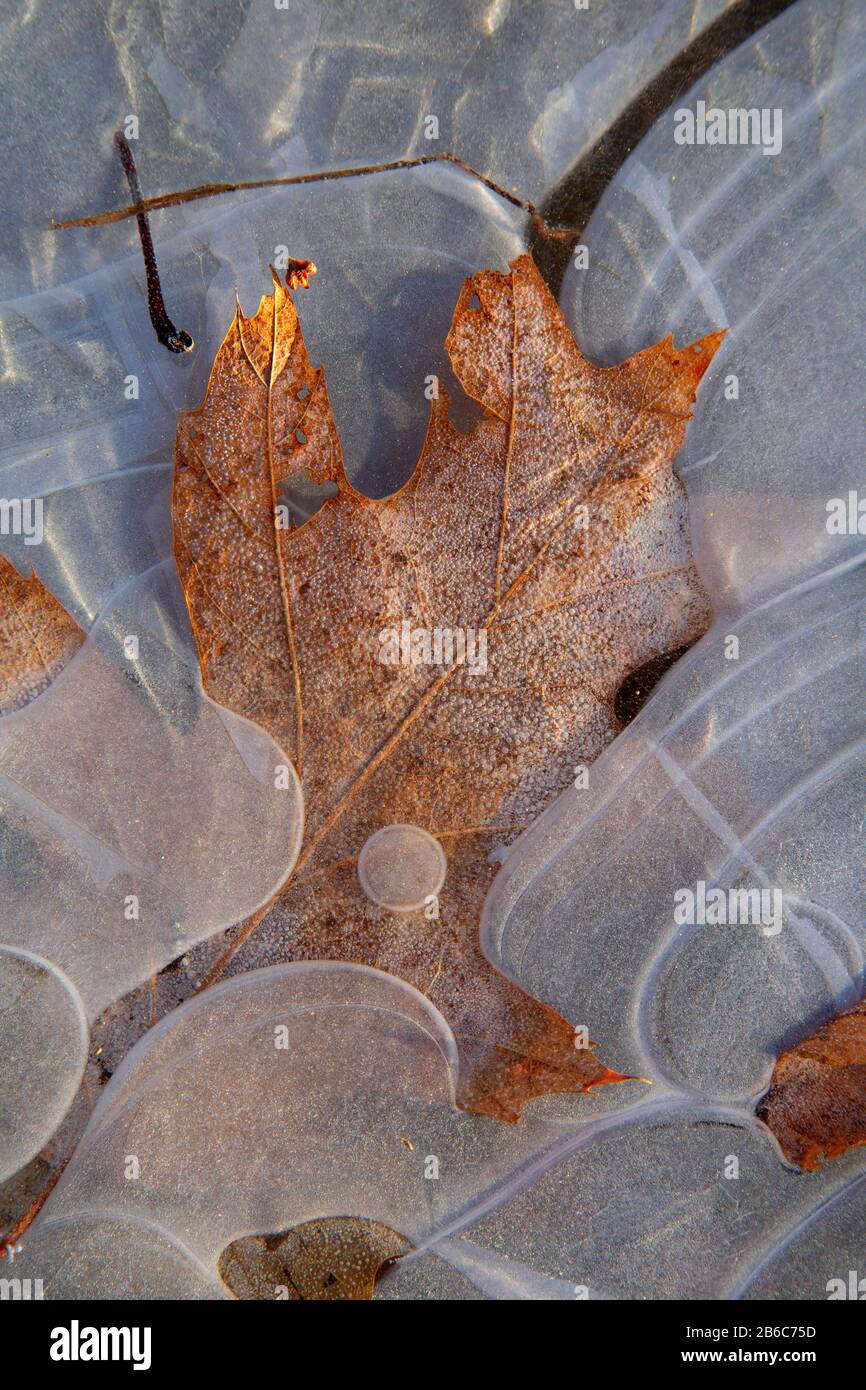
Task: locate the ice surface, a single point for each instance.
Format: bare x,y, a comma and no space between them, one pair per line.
690,238
247,90
43,1034
709,784
740,771
285,1094
334,1094
137,818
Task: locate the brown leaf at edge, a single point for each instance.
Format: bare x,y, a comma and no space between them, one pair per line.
37,637
487,535
816,1104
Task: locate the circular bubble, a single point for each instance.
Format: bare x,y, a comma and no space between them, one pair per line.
401,866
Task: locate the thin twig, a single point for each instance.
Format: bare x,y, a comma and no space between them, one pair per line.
142,206
176,340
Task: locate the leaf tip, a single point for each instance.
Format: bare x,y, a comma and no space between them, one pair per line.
705,349
614,1078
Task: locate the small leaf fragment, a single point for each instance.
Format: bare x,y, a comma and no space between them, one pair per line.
37,637
816,1104
336,1259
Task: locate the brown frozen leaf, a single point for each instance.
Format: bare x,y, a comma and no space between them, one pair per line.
37,637
336,1259
816,1104
555,531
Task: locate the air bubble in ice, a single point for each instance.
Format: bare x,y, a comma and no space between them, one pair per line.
401,867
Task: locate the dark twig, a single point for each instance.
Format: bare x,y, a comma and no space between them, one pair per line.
176,340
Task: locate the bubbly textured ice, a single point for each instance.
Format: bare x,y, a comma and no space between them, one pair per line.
742,771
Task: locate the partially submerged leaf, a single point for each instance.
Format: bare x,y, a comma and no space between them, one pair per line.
816,1104
336,1259
547,549
37,637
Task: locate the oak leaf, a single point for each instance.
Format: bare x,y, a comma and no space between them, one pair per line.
555,532
816,1104
37,637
